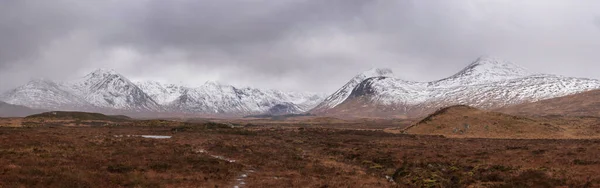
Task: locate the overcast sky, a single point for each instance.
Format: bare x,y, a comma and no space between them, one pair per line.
312,45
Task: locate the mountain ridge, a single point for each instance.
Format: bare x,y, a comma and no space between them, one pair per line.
486,83
107,90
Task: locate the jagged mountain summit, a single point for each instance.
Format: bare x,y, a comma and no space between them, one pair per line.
163,94
99,90
342,94
213,97
487,83
106,90
109,89
484,70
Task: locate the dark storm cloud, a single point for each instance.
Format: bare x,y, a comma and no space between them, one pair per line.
290,44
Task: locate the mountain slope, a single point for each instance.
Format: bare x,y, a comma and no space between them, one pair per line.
215,98
486,83
465,121
9,110
484,70
46,94
581,104
109,89
342,94
163,94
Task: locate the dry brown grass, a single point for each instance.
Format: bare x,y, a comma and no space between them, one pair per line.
298,152
285,157
468,122
94,157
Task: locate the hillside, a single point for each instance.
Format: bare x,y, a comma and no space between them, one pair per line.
61,115
581,104
465,121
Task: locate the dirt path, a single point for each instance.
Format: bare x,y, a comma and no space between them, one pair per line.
240,181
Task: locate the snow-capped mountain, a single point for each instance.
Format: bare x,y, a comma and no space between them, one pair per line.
486,83
99,90
213,97
163,94
484,70
342,94
46,94
285,108
107,90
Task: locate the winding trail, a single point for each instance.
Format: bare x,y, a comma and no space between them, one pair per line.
240,181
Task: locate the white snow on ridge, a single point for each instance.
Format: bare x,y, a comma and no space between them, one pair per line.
343,93
161,93
390,91
213,97
484,70
486,83
108,90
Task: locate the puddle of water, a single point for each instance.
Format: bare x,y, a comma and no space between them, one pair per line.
156,136
145,136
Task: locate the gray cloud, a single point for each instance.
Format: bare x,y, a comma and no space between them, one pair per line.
292,45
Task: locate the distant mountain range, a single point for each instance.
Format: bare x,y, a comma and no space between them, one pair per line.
108,91
487,83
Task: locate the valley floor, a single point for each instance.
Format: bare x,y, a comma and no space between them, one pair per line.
285,157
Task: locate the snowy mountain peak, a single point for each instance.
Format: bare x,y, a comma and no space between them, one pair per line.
162,93
489,64
101,79
483,70
343,93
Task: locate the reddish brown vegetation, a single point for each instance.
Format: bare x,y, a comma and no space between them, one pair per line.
468,122
285,157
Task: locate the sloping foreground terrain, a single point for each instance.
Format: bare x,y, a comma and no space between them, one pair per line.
464,121
581,104
211,156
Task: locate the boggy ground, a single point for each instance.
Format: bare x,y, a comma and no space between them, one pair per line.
215,156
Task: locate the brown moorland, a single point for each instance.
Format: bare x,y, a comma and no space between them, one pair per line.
284,156
55,152
468,122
